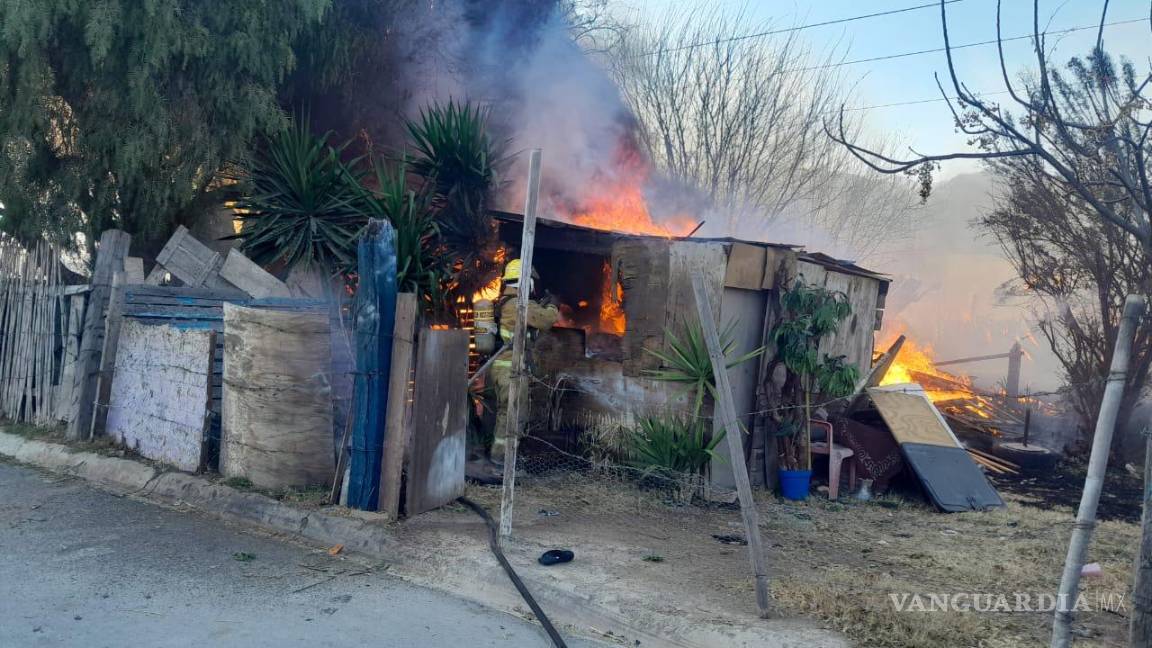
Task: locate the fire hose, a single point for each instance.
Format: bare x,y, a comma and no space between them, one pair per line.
494,545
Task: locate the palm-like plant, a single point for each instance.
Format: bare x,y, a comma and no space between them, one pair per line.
421,266
461,163
687,361
673,446
300,203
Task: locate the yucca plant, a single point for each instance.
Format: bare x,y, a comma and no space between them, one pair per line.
673,446
421,266
461,163
808,314
299,205
687,361
675,450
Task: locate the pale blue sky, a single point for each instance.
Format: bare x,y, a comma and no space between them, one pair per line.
928,126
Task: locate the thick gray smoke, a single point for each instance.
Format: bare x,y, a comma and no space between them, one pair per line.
545,92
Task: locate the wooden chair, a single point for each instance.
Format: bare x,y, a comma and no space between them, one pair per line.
837,455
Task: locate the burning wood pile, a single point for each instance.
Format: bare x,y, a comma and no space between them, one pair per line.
966,408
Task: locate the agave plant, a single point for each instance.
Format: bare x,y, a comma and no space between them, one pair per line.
461,164
688,362
300,203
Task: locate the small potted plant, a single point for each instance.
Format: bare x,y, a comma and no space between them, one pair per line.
808,314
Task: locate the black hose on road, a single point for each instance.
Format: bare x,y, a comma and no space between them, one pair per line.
494,544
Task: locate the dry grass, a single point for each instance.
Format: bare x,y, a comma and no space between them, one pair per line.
863,554
839,562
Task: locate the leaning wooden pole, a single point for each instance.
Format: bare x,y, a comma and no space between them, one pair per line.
733,435
112,323
1140,622
518,387
1097,466
109,258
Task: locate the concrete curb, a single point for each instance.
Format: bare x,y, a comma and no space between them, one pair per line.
479,580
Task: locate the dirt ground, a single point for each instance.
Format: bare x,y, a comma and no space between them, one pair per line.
836,562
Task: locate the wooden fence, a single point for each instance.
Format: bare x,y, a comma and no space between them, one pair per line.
40,326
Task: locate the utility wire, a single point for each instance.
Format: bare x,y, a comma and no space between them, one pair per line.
772,32
960,47
955,47
915,102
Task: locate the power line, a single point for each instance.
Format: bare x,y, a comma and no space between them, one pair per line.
938,99
964,46
773,32
916,102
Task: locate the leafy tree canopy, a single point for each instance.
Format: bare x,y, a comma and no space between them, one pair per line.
123,112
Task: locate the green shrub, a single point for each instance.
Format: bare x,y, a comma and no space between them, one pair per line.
671,446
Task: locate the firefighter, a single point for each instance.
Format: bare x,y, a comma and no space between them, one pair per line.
541,317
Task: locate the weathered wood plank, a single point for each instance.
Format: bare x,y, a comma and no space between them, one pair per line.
439,421
72,328
277,404
133,271
745,267
191,261
108,355
160,393
156,275
241,272
374,324
215,312
109,258
185,292
687,259
397,427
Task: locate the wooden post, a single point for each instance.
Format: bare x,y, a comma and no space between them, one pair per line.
108,355
732,434
1027,423
396,429
1012,384
1097,466
518,389
1140,623
75,319
109,258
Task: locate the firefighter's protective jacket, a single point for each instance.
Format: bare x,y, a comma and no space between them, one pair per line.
539,317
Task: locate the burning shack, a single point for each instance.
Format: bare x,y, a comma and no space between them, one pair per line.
622,293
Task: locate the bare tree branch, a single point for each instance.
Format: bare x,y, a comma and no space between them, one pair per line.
1079,137
742,121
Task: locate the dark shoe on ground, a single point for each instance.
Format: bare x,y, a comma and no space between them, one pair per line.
555,557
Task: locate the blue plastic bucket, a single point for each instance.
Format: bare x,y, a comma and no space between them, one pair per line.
794,484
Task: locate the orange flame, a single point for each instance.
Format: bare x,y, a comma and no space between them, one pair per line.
612,319
616,202
622,208
914,364
916,358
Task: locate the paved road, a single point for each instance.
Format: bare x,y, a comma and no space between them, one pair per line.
82,567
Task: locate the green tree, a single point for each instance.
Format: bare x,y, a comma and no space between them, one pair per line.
124,112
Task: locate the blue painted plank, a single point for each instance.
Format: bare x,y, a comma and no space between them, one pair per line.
374,319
